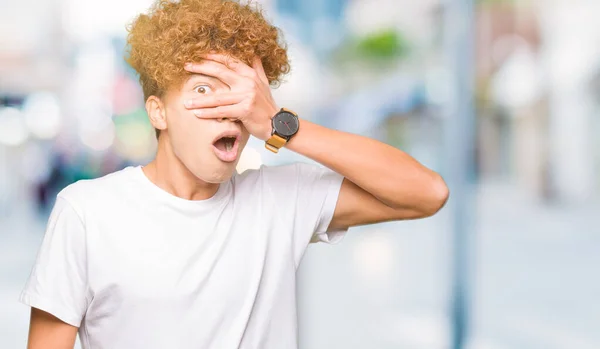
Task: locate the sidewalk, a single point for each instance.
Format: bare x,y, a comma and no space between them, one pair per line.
536,283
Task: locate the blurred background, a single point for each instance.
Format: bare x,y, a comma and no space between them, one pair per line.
502,97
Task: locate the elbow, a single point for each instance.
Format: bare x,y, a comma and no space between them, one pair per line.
438,194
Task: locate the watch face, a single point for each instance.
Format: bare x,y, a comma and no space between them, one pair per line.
285,124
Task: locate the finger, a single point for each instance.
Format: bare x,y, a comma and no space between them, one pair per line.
260,70
214,69
234,64
215,100
222,112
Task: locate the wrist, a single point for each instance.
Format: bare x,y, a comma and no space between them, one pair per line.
268,132
269,123
284,126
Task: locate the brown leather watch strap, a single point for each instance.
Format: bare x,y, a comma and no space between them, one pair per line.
289,111
275,143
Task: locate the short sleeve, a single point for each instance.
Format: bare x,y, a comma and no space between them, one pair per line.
317,195
58,282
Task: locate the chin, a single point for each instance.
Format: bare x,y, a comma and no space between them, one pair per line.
209,168
222,177
217,173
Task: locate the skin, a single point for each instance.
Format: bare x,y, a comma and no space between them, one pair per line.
185,164
47,331
381,183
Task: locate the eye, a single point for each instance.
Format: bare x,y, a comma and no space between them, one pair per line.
203,89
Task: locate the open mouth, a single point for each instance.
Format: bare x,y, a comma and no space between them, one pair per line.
226,146
225,143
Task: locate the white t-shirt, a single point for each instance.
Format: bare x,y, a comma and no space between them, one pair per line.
136,267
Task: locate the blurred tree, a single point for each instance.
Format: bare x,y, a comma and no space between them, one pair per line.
387,44
381,46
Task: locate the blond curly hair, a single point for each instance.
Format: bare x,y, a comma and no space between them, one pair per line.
173,33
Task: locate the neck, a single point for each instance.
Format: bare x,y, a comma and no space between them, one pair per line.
168,173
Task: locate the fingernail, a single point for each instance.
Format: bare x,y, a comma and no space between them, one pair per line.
188,103
188,66
197,112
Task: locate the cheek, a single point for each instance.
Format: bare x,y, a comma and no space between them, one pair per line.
180,118
245,138
245,134
185,126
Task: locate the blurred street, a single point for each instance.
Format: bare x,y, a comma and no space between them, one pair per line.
536,287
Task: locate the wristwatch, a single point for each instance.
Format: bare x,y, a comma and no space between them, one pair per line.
285,125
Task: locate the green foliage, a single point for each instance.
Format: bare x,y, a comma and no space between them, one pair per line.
385,44
381,46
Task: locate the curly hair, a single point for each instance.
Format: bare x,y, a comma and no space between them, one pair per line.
176,32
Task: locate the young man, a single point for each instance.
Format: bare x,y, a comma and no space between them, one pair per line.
184,252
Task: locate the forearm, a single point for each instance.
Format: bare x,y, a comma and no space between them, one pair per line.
387,173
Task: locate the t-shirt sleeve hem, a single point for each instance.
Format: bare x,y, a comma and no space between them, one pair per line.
50,307
321,234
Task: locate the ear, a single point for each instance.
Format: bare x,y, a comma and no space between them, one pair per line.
156,113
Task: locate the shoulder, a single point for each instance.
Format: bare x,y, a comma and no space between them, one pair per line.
289,178
85,191
280,172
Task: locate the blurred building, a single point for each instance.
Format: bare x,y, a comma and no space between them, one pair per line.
537,102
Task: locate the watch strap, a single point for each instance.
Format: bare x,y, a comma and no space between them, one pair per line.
275,143
289,111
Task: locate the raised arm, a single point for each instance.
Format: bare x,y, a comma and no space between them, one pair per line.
382,183
48,332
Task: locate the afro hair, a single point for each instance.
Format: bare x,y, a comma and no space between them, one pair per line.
173,33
